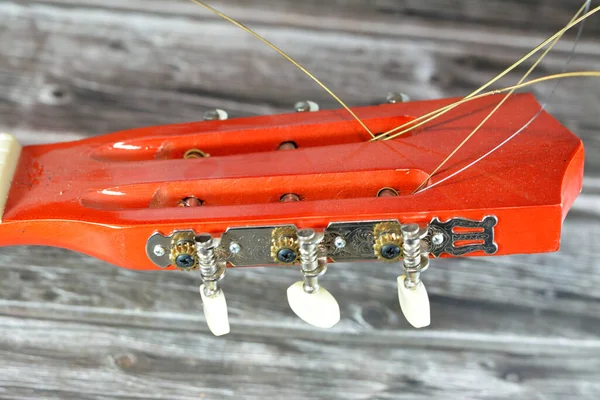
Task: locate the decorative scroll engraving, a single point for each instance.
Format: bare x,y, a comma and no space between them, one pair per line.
358,237
443,238
255,245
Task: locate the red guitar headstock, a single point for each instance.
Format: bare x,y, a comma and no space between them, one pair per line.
301,189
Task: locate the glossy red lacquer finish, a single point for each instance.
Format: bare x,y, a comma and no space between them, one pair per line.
105,196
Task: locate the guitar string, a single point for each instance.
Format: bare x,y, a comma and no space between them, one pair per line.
584,8
545,78
281,52
444,109
286,56
439,112
507,96
541,79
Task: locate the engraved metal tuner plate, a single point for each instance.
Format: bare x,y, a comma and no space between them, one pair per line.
255,245
245,246
158,247
352,241
459,236
343,242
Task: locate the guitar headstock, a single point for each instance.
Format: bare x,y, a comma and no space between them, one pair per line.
299,190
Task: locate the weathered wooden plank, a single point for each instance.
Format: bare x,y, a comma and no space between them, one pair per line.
98,362
527,15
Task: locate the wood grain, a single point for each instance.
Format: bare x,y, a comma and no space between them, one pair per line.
519,327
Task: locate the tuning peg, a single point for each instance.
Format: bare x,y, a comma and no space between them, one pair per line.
397,97
213,298
412,294
318,308
215,311
310,301
215,115
414,303
306,106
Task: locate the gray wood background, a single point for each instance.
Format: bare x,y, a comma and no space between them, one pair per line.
71,327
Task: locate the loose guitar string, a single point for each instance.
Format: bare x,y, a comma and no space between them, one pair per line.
286,56
584,8
466,99
256,35
545,78
437,113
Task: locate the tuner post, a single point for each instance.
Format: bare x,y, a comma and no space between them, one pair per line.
308,246
414,260
209,269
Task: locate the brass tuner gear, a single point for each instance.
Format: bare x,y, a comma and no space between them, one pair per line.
284,245
183,252
388,241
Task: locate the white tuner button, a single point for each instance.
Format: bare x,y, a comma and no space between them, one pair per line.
318,308
414,303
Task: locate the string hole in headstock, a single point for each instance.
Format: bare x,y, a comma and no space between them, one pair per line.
289,198
195,153
190,201
287,146
387,192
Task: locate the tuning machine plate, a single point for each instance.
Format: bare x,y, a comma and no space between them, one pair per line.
158,246
343,242
245,246
353,241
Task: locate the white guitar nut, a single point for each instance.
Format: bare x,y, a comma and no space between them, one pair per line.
10,151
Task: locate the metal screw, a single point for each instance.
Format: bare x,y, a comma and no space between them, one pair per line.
185,261
234,247
397,97
339,242
437,239
390,251
286,255
159,250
